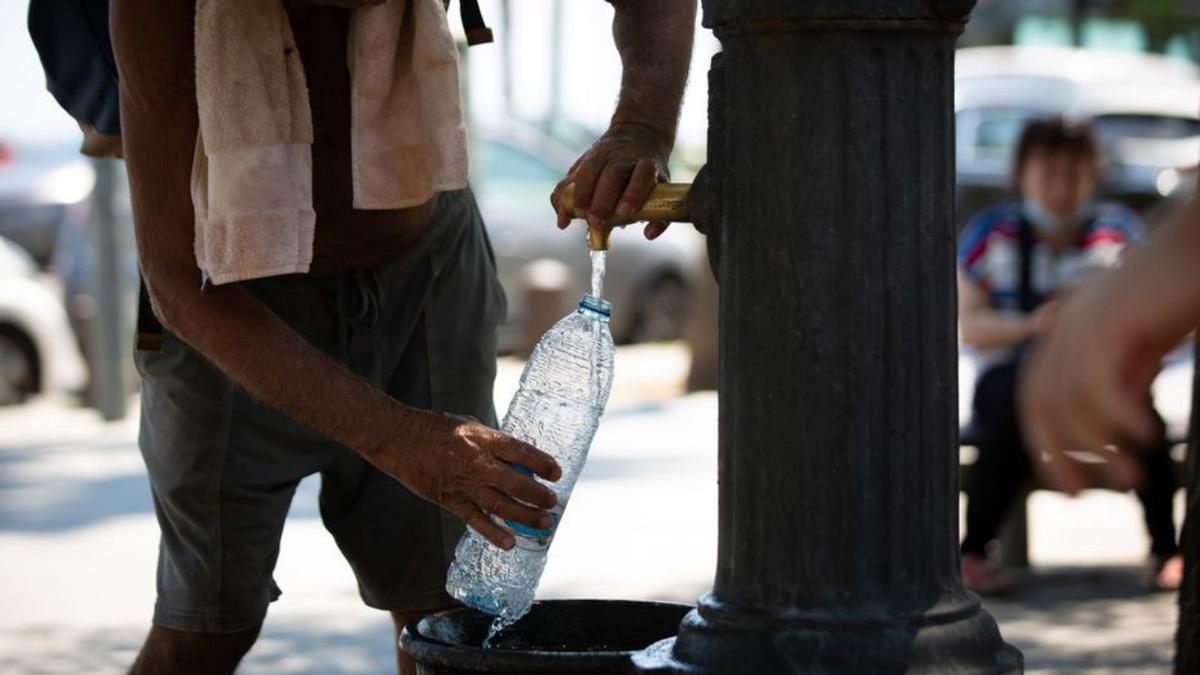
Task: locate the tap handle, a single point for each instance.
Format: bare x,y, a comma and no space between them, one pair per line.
666,201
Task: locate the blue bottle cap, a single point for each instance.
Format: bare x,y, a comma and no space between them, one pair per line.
597,305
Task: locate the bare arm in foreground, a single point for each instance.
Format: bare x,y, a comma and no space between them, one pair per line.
1086,384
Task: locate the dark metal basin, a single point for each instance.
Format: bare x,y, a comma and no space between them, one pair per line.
557,636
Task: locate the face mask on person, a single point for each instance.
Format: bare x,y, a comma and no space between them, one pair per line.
1049,224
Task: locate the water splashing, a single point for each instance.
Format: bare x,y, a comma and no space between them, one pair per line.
498,625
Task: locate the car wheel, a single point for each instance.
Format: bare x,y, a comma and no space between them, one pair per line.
18,366
662,310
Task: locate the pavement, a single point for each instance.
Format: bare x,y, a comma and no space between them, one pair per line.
78,545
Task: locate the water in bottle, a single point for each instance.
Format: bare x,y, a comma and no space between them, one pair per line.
562,393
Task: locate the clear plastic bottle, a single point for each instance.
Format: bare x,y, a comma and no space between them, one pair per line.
557,407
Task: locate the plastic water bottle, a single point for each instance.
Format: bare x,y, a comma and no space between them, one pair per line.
562,394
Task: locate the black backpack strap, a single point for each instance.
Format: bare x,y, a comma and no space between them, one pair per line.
477,31
1026,296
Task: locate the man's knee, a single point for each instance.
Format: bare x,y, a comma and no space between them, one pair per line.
174,651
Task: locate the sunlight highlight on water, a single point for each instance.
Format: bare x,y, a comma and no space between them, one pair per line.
598,264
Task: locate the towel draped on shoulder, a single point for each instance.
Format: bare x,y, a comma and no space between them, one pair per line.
252,171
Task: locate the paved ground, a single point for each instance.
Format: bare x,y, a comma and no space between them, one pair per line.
77,546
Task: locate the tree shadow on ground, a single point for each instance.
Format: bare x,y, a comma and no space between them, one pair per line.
38,493
41,501
293,646
314,646
1094,620
54,650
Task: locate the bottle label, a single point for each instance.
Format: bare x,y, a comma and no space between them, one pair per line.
531,539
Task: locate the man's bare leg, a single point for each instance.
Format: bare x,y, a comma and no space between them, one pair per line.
404,665
168,651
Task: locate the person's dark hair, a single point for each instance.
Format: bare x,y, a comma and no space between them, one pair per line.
1054,135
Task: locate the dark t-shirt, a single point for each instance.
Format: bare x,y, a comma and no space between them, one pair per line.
345,237
71,37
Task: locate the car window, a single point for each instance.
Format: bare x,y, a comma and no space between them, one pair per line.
507,177
998,130
498,161
1157,127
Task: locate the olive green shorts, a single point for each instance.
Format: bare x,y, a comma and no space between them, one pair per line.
223,467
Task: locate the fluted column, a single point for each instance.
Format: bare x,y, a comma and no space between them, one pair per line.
832,170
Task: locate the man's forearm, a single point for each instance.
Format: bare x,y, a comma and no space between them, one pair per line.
1166,272
986,328
274,364
654,40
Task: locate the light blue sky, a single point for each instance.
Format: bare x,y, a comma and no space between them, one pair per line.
27,111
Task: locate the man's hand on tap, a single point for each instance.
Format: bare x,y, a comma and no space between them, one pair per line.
614,177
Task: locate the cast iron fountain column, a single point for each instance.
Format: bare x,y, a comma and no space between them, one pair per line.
831,178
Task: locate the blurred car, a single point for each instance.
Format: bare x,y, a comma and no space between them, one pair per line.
45,207
515,168
1143,108
37,350
42,190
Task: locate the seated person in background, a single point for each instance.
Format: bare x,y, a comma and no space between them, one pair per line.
1015,260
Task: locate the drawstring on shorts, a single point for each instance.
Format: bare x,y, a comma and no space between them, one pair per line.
359,303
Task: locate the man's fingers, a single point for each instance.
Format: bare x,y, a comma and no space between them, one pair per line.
1120,419
1045,446
517,485
1126,414
1102,412
609,188
1119,470
514,451
655,228
641,181
1041,427
556,199
499,504
1086,429
586,175
1088,473
487,528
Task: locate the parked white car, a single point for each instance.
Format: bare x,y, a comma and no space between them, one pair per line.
38,352
1143,108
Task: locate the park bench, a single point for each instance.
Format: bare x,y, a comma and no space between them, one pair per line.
1014,534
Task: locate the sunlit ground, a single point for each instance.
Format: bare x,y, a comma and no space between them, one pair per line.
78,545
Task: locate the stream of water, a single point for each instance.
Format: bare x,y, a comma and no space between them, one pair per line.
598,265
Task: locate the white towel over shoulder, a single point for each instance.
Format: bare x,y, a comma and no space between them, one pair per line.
252,174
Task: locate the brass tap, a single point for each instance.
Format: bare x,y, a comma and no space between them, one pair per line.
667,201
